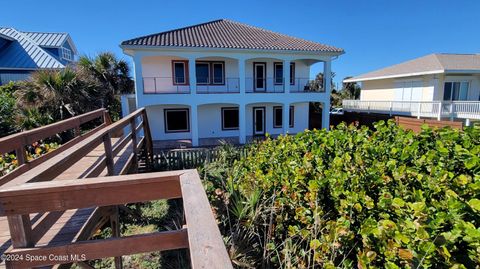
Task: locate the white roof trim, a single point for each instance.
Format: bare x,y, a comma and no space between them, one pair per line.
395,76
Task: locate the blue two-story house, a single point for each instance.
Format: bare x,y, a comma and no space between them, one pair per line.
21,53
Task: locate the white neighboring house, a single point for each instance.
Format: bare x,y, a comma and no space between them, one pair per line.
224,80
436,85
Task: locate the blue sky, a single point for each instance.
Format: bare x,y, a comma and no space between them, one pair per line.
374,34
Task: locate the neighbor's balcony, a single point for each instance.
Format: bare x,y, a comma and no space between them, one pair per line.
166,85
434,109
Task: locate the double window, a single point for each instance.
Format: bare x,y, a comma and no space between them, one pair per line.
230,118
212,73
454,91
278,73
278,117
67,54
176,120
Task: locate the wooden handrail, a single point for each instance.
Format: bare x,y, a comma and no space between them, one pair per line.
200,235
18,142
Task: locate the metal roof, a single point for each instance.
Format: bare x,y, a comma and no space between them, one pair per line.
26,53
51,40
429,64
231,35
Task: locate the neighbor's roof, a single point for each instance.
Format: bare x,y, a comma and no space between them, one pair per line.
26,52
430,64
229,35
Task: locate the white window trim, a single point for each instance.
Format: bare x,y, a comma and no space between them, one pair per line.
213,73
67,54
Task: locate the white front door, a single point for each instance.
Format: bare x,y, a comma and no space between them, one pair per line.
259,77
259,121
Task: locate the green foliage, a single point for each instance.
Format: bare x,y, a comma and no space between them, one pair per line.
7,110
354,198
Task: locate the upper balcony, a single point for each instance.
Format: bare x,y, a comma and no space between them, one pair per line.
222,75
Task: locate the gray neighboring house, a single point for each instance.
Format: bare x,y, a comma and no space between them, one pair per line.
21,53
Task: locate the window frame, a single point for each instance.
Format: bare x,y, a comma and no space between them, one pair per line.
291,117
213,72
185,72
208,76
165,120
452,89
67,54
223,118
292,73
275,117
211,80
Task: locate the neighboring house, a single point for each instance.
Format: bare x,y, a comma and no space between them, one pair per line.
224,80
21,53
437,85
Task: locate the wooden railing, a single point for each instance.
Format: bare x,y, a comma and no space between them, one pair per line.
46,170
17,142
200,234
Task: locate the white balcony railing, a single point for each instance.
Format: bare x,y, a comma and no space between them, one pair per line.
434,109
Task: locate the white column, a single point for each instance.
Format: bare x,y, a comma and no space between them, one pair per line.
241,75
286,75
286,117
138,77
242,127
327,76
194,125
192,75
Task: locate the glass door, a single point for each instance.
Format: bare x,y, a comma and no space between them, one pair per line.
259,75
259,121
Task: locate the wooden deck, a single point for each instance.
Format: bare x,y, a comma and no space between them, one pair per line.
67,225
47,229
52,205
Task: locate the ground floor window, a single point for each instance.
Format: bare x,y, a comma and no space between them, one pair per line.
230,119
176,120
454,91
278,119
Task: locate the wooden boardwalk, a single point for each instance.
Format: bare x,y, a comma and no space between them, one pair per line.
51,206
74,224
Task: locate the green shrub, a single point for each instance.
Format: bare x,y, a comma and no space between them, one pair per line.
354,198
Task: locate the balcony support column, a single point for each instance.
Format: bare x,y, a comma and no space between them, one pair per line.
194,125
192,76
138,77
241,75
327,85
286,118
242,139
286,76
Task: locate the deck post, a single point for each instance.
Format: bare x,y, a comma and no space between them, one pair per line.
20,231
439,116
134,143
107,143
115,224
148,138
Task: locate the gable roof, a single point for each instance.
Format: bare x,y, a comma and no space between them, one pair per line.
51,40
229,35
429,64
26,52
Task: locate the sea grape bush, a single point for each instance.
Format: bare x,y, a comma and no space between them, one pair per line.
354,198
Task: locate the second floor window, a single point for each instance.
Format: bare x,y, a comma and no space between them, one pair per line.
210,73
278,73
67,54
456,91
179,72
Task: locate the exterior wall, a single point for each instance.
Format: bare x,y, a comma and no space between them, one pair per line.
377,90
12,75
418,89
474,85
210,121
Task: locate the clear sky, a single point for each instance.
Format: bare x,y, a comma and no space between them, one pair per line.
374,34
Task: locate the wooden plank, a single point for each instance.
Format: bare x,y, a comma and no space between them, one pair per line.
107,143
102,191
206,246
99,249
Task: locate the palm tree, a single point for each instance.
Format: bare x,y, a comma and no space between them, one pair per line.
111,72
